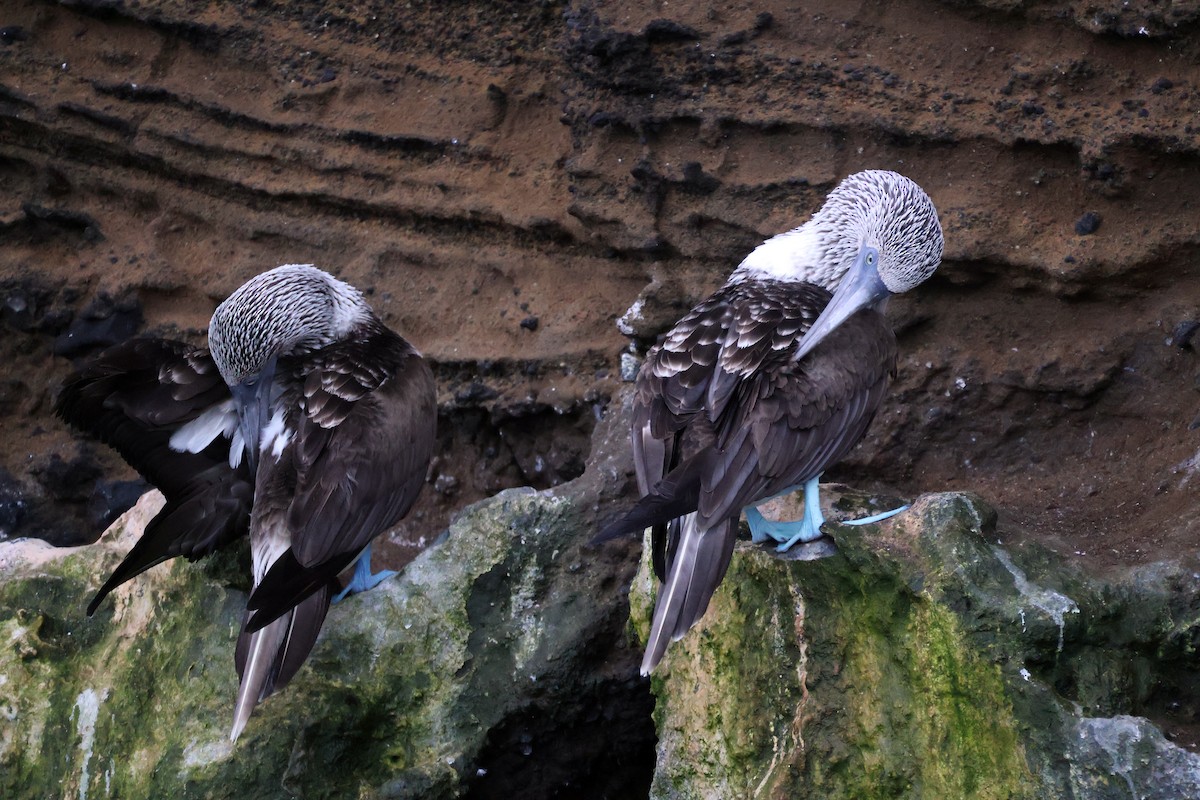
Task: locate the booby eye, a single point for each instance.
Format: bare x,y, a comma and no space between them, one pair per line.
872,257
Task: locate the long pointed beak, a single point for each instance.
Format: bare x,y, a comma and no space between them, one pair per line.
253,400
860,288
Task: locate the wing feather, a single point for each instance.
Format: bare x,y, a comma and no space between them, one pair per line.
347,495
724,384
740,420
363,440
134,397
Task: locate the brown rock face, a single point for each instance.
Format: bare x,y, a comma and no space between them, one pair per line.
505,179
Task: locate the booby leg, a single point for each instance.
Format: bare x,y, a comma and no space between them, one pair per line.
787,534
806,529
363,579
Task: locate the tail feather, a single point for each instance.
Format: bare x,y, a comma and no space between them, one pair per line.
712,560
675,495
288,583
268,658
214,513
307,620
695,569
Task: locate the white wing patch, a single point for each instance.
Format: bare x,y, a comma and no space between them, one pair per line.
237,446
275,436
220,420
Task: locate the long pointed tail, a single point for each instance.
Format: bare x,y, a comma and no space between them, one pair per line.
268,658
675,495
214,511
694,571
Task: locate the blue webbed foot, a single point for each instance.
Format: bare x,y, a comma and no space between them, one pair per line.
786,533
874,517
363,579
807,529
790,533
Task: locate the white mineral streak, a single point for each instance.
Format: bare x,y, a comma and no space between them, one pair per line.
627,322
199,753
87,706
793,740
1117,736
1048,601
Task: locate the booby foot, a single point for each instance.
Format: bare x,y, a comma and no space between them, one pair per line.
789,533
363,579
874,517
763,530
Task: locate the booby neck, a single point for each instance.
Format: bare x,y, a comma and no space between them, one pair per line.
801,254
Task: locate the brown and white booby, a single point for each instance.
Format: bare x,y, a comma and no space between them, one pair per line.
768,382
307,423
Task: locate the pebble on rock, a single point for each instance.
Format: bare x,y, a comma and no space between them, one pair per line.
1087,224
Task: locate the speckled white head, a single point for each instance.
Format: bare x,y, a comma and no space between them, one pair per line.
291,309
874,208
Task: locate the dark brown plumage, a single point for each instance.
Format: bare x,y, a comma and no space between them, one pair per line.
133,398
768,382
308,425
728,419
377,393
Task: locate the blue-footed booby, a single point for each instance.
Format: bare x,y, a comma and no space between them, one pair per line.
768,382
306,423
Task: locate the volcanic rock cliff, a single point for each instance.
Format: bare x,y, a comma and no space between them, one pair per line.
507,180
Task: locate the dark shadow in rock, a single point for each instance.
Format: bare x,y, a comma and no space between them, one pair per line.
537,754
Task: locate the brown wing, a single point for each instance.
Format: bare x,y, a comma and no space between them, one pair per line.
743,419
667,417
387,417
133,397
792,420
364,434
674,381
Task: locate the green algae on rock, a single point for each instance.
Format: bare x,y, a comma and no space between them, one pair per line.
116,696
917,662
402,692
921,660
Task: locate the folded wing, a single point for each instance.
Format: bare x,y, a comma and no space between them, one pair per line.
135,397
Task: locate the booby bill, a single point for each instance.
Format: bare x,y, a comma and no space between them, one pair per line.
768,382
306,423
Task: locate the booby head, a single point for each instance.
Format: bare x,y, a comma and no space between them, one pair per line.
876,235
288,310
877,208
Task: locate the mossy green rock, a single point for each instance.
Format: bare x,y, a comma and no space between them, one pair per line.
917,662
398,699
